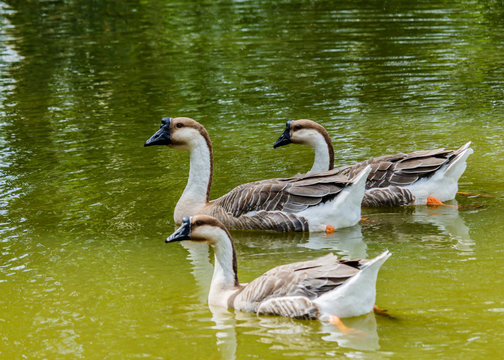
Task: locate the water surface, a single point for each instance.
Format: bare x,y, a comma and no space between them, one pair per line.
84,208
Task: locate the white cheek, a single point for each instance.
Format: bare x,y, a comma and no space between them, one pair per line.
210,234
183,135
304,136
183,138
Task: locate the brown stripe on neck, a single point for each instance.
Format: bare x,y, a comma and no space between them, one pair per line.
212,221
319,128
204,133
330,148
235,262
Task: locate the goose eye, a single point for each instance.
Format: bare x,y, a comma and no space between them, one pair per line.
179,125
297,127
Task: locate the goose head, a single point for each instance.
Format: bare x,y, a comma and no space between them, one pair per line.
307,132
204,228
304,132
179,133
200,228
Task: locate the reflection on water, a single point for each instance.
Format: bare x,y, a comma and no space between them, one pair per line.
202,268
434,224
363,337
449,222
347,242
225,324
289,334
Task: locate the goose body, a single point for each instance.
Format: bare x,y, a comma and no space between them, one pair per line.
313,289
394,180
303,203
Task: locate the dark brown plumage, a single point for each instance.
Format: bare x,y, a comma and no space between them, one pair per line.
401,169
276,201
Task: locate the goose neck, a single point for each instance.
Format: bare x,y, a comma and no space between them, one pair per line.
324,153
197,190
225,275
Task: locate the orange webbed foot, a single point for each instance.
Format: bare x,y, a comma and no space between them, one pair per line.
382,312
434,202
329,229
471,194
336,320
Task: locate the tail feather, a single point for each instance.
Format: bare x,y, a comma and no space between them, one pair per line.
357,295
358,187
443,185
352,196
344,210
458,164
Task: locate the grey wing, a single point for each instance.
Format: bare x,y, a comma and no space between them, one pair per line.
403,169
264,220
308,279
298,307
388,196
289,195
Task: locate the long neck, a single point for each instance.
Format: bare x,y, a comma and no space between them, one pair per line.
324,153
196,192
225,270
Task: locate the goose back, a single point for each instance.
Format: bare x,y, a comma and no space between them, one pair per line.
273,204
305,280
403,169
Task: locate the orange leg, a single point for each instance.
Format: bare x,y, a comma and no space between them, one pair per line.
336,320
474,194
379,311
433,202
329,229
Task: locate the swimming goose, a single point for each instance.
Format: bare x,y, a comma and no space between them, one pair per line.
324,288
420,177
320,202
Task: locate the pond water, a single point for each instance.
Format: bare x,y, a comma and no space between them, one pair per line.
85,208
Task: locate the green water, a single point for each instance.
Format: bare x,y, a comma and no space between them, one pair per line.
85,208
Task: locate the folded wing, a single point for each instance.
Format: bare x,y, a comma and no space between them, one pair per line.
290,195
301,282
402,169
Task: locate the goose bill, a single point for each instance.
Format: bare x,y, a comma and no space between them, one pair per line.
162,136
182,233
285,138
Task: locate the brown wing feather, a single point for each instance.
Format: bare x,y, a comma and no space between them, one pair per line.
308,279
289,195
402,169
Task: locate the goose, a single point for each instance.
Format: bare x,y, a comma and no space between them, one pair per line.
318,202
418,178
325,288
